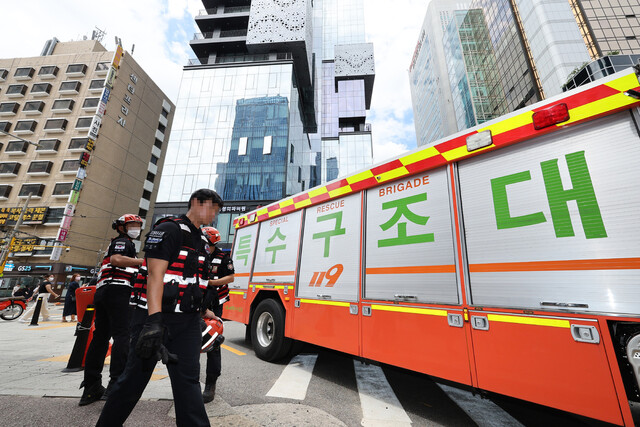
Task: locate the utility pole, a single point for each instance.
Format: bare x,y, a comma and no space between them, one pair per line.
5,251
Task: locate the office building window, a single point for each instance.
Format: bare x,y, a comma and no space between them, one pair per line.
9,168
16,147
49,72
60,105
5,191
242,146
77,143
77,69
70,166
33,107
83,122
62,189
90,103
266,148
9,108
36,190
41,89
48,146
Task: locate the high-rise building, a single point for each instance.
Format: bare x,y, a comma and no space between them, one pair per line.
433,112
554,41
608,27
473,75
536,47
98,145
274,103
514,64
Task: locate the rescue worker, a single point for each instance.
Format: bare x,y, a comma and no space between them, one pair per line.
221,273
112,312
165,323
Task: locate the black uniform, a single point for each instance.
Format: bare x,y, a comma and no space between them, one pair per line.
221,266
112,313
180,243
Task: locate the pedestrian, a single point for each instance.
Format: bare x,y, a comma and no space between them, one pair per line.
70,298
221,273
165,323
44,290
15,289
112,311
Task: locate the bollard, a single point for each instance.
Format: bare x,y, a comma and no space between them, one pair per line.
36,311
76,359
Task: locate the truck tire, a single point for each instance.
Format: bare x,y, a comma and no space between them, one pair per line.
267,331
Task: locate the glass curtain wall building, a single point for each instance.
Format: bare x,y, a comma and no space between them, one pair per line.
256,105
515,67
473,75
431,97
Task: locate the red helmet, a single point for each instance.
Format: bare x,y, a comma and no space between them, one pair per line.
211,234
126,219
211,334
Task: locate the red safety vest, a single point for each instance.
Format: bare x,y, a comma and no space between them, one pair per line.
185,275
109,274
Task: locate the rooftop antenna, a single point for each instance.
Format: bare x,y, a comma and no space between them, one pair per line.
98,34
133,47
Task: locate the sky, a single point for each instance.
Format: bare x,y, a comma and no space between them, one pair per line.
161,30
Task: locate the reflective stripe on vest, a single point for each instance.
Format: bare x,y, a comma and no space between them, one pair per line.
109,274
175,273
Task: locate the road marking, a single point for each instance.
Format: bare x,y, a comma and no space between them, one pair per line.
380,406
42,328
295,378
233,350
63,358
483,412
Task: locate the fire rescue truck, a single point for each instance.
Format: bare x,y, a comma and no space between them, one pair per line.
505,257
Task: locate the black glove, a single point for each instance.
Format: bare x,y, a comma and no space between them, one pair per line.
149,343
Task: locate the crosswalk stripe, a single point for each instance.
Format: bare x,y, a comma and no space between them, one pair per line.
295,378
380,406
483,412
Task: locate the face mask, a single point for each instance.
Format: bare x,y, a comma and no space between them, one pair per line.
133,232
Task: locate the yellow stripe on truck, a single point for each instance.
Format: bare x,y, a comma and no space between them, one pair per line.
324,302
538,321
399,309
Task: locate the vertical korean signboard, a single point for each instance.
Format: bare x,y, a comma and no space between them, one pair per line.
244,246
409,241
330,262
277,253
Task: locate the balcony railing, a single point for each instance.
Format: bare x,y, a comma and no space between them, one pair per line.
233,33
232,9
224,33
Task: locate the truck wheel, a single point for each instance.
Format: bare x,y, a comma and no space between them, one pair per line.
12,312
267,331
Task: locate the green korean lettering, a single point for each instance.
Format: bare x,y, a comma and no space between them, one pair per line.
402,209
244,248
582,192
275,248
327,235
501,203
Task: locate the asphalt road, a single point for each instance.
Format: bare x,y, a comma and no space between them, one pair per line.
317,387
333,389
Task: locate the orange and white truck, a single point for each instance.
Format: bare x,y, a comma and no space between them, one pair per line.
505,257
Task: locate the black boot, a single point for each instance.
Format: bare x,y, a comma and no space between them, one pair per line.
209,392
109,389
91,393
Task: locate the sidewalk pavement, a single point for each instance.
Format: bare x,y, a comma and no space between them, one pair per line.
35,392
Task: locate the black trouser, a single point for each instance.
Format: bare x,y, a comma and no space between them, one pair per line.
112,311
214,359
183,338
